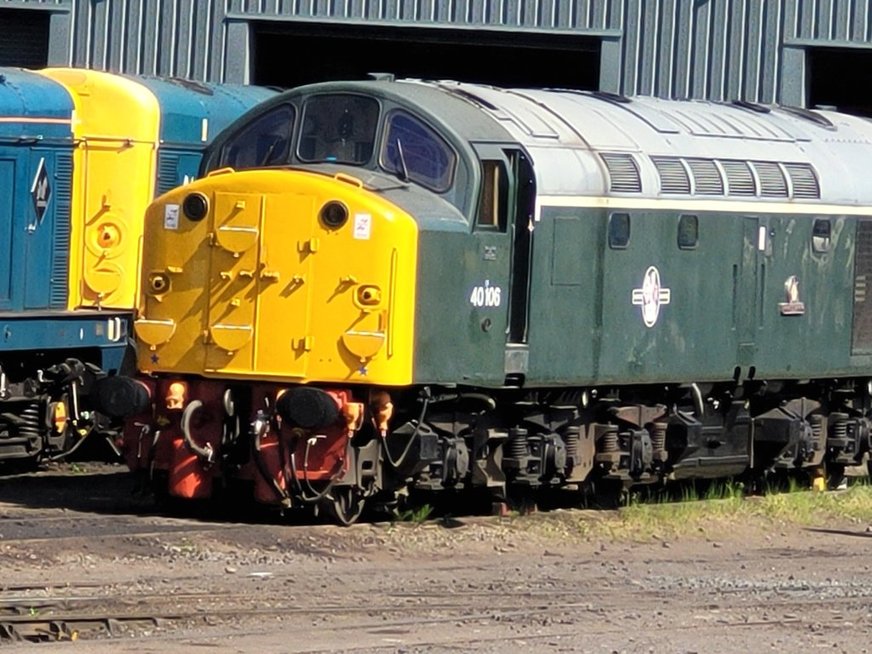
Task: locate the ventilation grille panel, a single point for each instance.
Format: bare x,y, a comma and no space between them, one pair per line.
623,173
803,180
167,172
740,179
716,177
707,178
772,181
862,328
673,175
62,184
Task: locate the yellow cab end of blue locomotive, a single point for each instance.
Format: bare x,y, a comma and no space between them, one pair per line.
116,128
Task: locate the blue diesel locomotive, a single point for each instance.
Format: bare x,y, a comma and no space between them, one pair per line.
82,153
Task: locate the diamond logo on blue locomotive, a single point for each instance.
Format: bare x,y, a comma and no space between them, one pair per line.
41,190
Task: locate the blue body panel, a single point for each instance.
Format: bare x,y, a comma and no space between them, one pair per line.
192,114
64,330
35,180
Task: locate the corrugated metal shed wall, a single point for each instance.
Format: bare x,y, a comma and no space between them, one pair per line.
719,49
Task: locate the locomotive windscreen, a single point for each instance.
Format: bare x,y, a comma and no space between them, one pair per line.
338,128
266,142
416,152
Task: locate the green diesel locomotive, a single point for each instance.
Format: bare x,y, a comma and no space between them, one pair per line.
390,285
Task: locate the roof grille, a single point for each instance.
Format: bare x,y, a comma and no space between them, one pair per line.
707,178
803,180
736,178
673,175
740,180
623,173
772,181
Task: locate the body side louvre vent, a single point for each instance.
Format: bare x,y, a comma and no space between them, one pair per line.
740,179
167,172
862,327
804,180
772,181
673,175
61,256
624,174
707,178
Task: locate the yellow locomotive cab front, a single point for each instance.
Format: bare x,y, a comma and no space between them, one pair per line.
311,277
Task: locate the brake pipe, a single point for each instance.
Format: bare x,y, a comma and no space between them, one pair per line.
206,453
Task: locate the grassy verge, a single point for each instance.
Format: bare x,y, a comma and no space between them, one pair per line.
715,512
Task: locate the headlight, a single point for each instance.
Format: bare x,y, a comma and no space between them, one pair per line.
334,214
195,207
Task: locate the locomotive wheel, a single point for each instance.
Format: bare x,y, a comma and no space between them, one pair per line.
346,505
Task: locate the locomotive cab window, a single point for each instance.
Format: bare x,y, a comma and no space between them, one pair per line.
619,231
493,204
820,235
266,142
416,153
338,128
688,232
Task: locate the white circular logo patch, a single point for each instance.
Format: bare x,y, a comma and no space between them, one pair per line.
651,296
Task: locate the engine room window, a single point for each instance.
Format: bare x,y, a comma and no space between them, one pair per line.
492,207
266,142
688,232
414,151
820,235
619,231
338,128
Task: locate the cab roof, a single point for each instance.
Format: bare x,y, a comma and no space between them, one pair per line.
185,105
44,106
599,144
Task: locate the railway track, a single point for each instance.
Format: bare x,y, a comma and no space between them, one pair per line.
367,596
56,619
70,617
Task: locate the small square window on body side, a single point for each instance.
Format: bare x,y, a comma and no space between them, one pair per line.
619,231
688,232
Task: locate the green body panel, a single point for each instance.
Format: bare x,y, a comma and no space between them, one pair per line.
451,342
565,328
722,310
696,334
720,305
817,343
723,305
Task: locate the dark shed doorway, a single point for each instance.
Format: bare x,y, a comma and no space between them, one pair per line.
24,40
840,78
290,54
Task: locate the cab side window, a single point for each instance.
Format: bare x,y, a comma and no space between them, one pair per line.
493,203
265,142
820,236
415,152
